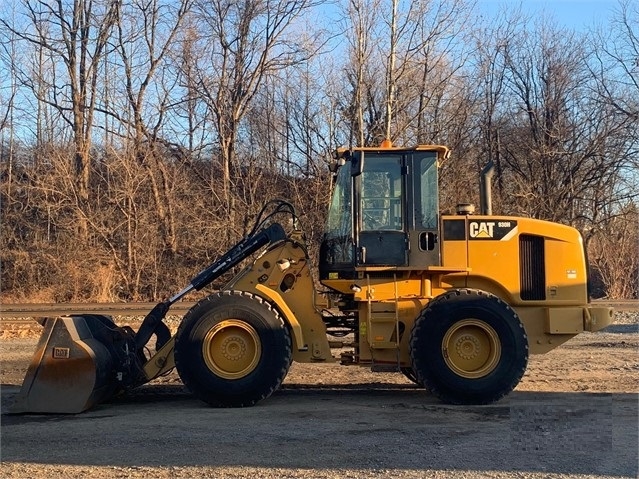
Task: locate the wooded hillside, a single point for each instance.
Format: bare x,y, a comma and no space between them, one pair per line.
139,138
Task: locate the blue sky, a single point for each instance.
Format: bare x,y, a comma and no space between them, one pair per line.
575,14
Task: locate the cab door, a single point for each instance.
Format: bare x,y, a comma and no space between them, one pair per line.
380,205
423,201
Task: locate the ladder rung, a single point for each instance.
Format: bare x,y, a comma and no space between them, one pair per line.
383,318
384,345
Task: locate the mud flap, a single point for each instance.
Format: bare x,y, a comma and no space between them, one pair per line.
70,372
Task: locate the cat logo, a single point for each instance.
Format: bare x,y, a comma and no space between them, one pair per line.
501,229
481,229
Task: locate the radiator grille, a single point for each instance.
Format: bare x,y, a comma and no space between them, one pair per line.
532,269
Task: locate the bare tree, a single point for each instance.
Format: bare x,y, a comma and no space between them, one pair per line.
245,41
403,65
209,110
146,32
551,135
8,94
76,35
611,215
616,60
360,27
492,42
613,254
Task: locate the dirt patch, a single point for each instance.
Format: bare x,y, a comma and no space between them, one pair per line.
574,414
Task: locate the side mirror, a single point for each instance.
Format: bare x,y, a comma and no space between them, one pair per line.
335,165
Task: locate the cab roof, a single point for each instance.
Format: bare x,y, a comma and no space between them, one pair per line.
442,150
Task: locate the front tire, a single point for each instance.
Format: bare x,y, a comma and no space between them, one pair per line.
232,349
469,347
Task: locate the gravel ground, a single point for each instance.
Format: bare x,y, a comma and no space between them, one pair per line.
574,415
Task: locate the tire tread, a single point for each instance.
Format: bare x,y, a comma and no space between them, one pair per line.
189,321
420,329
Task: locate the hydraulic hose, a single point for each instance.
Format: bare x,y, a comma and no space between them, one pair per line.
231,258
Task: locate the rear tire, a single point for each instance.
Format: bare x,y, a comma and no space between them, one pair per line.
469,347
232,349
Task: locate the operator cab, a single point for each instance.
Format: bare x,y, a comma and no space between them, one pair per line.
384,212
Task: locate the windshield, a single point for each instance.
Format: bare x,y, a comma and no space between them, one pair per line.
381,192
339,227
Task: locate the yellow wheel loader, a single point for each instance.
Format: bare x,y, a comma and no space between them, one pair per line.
455,302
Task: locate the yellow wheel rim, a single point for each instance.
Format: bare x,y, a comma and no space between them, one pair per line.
232,349
471,348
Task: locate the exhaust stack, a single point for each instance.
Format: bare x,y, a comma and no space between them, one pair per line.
485,189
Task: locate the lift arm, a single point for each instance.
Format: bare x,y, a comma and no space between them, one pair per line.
231,258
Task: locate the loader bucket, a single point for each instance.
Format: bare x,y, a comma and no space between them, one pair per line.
71,370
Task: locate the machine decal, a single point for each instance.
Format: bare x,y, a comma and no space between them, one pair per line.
492,230
61,353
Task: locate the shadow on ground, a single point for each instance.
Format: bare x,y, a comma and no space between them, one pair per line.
337,427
